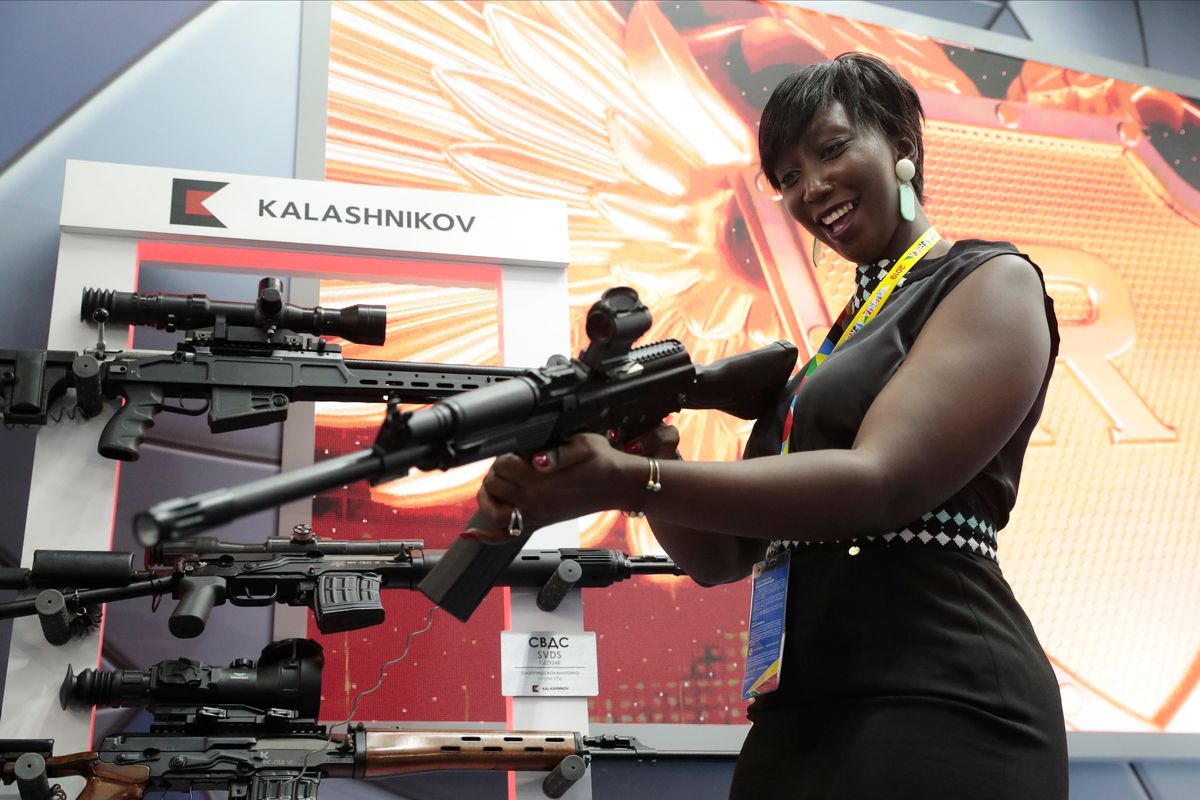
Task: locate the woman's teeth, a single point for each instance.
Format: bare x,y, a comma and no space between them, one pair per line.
837,213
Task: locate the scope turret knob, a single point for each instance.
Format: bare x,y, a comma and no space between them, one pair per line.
270,296
242,663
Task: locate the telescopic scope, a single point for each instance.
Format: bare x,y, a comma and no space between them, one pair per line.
287,676
365,324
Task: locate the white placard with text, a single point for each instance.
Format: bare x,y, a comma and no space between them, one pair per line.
548,664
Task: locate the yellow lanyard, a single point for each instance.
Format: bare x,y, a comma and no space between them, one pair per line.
874,304
870,307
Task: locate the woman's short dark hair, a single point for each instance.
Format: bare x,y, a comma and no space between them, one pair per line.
871,92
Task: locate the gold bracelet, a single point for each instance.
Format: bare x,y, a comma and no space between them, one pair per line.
653,484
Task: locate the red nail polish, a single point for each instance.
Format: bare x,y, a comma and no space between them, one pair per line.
613,434
637,448
541,460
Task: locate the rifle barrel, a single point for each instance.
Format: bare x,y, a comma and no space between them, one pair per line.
90,597
206,545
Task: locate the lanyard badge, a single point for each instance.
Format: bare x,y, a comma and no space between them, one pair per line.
768,612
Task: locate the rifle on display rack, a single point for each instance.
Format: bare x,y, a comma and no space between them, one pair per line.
339,580
611,386
247,361
252,730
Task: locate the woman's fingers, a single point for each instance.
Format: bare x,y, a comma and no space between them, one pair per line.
498,512
578,449
662,442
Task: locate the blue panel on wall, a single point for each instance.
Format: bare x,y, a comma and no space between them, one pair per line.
1099,780
429,786
695,780
1171,780
1106,29
1172,30
975,13
219,95
1007,24
64,50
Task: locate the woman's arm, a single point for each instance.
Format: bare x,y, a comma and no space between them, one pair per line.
709,558
967,383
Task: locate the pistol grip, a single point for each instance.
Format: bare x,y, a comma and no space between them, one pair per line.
197,596
347,602
122,436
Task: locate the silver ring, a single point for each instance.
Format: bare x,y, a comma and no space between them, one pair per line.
516,526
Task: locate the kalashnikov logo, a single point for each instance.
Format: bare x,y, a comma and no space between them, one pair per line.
187,202
364,215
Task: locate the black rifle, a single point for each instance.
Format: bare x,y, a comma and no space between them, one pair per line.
252,730
339,580
611,386
248,361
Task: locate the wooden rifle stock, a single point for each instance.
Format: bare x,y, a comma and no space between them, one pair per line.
104,781
398,752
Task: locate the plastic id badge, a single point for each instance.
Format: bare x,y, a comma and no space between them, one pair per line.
768,610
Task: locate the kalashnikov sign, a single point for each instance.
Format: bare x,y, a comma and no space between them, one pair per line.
177,204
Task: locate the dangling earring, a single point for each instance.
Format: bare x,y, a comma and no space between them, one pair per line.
905,170
816,244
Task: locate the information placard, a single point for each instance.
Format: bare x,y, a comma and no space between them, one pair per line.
548,663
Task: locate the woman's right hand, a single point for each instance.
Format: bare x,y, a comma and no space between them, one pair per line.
661,443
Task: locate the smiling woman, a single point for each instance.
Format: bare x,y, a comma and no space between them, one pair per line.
887,654
845,129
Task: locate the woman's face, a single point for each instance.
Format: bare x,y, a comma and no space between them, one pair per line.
839,182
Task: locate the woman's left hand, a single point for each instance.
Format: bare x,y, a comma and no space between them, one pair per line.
582,476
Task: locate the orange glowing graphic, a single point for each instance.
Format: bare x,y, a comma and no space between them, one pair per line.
641,117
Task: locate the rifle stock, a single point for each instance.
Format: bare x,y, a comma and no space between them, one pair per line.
102,781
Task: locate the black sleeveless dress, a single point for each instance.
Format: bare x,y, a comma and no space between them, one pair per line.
909,669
